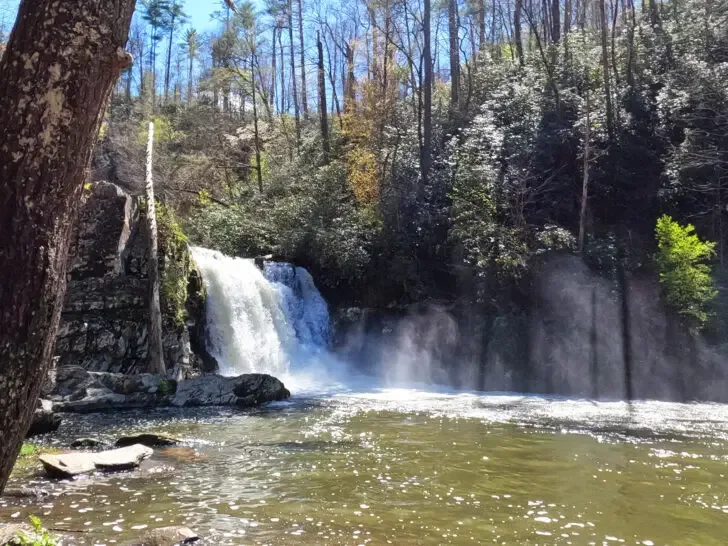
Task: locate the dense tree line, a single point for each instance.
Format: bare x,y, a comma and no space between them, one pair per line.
447,140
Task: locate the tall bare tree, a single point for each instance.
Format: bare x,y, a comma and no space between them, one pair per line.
302,52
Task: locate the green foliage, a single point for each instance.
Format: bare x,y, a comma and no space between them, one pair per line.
684,274
29,449
167,386
38,537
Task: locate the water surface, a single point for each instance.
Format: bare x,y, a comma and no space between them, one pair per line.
402,466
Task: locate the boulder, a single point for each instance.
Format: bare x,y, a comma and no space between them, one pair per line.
81,391
215,390
72,464
150,439
44,419
168,536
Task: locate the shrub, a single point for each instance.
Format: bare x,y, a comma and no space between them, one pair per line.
684,275
38,537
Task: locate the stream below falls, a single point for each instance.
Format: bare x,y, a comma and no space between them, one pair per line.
398,466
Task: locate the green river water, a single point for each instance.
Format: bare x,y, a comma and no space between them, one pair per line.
407,466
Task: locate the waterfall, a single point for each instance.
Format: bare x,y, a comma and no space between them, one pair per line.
261,321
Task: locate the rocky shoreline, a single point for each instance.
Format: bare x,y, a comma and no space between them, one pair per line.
78,390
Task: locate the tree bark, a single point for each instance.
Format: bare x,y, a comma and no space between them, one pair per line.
294,91
156,354
517,12
453,28
258,165
481,25
605,70
283,72
61,62
323,114
272,95
426,151
555,20
585,180
304,95
169,60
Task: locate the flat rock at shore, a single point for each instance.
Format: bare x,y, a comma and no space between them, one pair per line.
72,464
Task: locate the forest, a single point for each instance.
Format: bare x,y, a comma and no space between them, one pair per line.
405,151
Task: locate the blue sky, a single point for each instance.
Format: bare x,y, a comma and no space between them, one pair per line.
198,10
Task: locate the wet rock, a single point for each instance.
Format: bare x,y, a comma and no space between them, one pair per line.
122,459
67,465
169,536
150,439
35,493
81,391
89,443
72,464
44,419
244,391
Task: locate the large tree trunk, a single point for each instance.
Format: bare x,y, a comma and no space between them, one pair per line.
323,114
426,152
304,96
481,25
517,12
585,179
169,61
453,28
258,161
283,72
61,62
294,91
189,79
155,353
555,21
272,94
605,71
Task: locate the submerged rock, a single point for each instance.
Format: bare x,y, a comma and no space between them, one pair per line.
72,464
168,536
44,419
150,439
88,443
244,391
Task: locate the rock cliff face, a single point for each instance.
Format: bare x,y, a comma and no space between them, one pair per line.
104,321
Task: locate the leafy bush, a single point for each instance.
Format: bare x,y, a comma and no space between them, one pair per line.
684,275
38,537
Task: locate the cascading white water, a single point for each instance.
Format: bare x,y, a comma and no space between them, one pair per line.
261,321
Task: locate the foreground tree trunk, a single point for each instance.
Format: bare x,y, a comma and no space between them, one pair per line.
61,62
156,354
